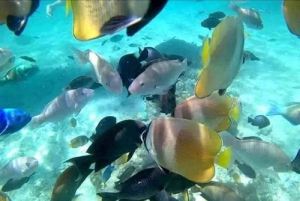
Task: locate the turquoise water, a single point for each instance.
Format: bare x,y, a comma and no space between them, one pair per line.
176,30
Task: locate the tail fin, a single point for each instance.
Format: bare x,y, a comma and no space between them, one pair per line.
80,56
250,120
274,110
224,158
296,163
108,196
82,163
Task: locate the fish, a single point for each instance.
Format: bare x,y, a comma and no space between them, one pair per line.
186,148
108,146
215,191
116,38
107,174
291,112
18,168
178,184
217,112
166,102
4,196
260,121
15,14
66,104
217,14
82,82
20,73
210,23
246,170
162,196
67,183
7,60
158,77
73,122
177,57
14,184
249,16
142,185
128,68
79,141
258,154
221,58
12,120
249,56
103,125
149,54
126,174
235,176
291,14
27,58
106,75
91,19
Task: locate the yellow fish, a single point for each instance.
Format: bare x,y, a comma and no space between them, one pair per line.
291,11
15,13
186,148
96,18
221,58
216,112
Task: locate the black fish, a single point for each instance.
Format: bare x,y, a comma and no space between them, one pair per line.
149,54
210,22
166,102
82,82
296,163
142,185
128,68
103,125
14,184
217,14
67,183
116,38
122,138
27,58
261,121
246,170
178,184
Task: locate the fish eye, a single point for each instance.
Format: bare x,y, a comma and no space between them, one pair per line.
142,84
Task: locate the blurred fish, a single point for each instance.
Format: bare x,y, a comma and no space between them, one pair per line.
67,183
258,154
103,125
246,170
71,57
182,146
234,175
7,60
79,141
158,77
4,197
142,185
296,163
126,174
210,22
148,54
162,196
218,14
166,102
128,68
249,56
116,38
20,73
215,191
107,76
14,184
68,103
222,57
107,174
122,160
291,11
82,82
27,58
93,19
18,168
73,122
214,111
249,16
107,147
15,13
13,120
290,112
260,121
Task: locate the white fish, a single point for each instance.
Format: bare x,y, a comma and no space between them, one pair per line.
18,168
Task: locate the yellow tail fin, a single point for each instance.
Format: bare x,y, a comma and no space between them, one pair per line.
68,6
224,158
